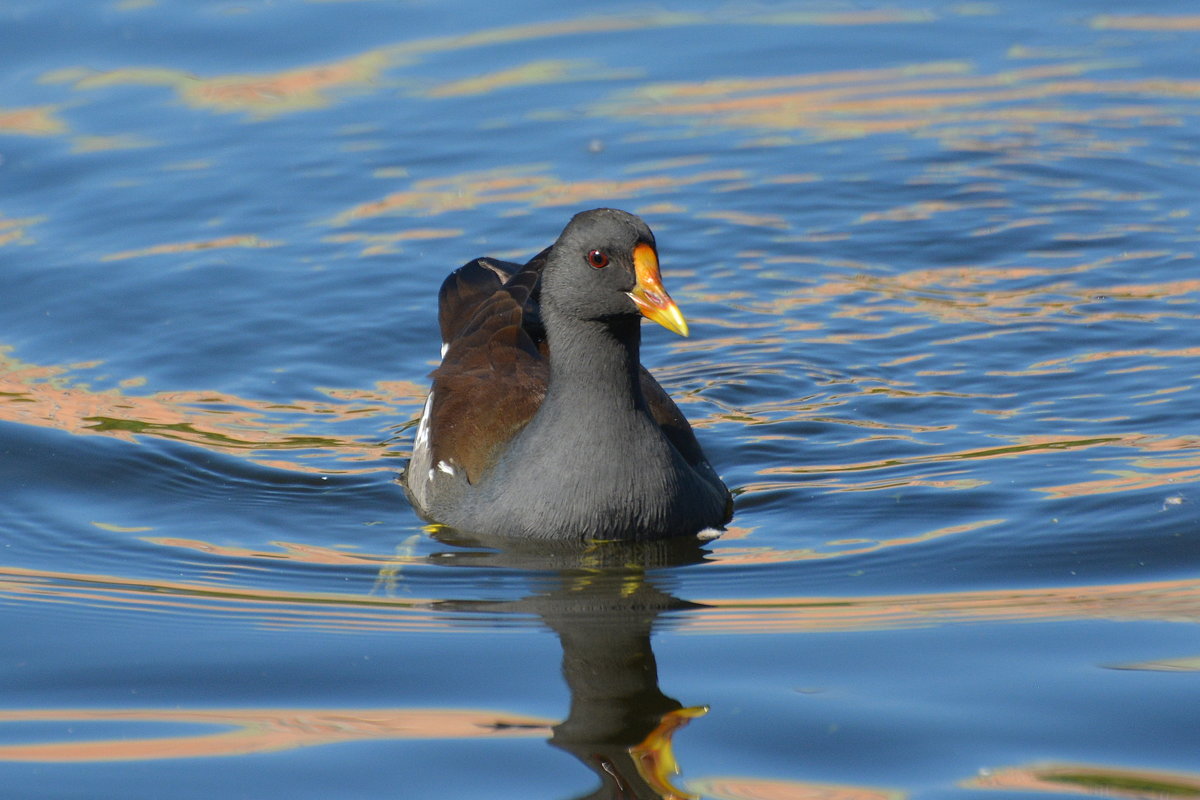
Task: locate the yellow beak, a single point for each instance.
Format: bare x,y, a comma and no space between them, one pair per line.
651,298
654,757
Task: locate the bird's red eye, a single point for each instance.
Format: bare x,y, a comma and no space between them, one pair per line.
598,259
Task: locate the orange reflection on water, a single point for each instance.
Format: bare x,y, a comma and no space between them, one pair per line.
43,396
98,144
528,185
288,551
190,247
1088,779
273,607
316,86
759,789
618,23
955,295
840,548
534,73
1123,481
727,87
916,98
873,16
543,30
266,94
34,121
744,218
375,244
926,209
1023,446
261,730
13,231
1173,601
1138,353
1147,22
1169,471
1163,665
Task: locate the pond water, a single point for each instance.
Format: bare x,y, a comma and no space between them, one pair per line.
940,263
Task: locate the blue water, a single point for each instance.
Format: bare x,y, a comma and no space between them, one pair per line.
940,265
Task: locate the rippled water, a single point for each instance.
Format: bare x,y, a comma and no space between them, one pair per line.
940,265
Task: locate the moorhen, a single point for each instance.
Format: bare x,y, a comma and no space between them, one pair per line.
541,421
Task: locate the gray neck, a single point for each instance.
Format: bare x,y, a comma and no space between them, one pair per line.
594,366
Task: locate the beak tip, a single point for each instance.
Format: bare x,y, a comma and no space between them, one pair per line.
666,314
677,322
650,297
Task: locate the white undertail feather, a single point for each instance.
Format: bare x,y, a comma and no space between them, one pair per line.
422,458
422,441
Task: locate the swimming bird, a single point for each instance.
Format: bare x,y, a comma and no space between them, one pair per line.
541,421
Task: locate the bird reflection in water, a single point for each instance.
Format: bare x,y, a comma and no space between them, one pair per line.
603,602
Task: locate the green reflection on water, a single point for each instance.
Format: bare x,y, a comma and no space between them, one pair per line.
1125,784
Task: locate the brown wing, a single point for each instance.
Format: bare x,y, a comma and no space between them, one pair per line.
493,375
672,421
465,289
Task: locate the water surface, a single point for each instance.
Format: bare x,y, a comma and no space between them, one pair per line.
940,266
